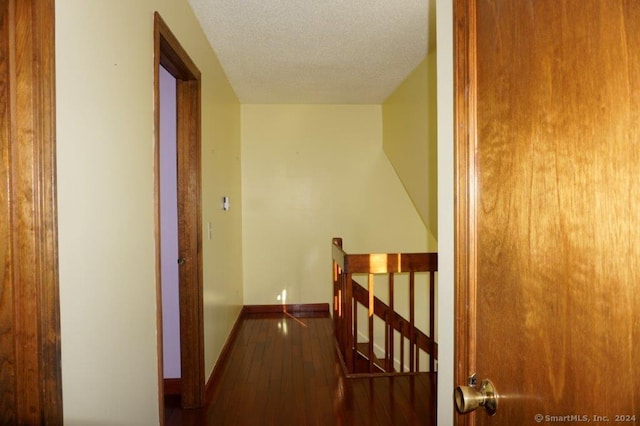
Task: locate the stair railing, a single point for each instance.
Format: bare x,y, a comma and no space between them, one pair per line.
348,294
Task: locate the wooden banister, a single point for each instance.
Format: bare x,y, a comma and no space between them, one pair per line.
348,294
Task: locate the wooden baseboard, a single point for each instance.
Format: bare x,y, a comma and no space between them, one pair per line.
173,386
291,309
212,388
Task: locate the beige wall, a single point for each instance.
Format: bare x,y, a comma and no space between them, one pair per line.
311,173
410,138
104,54
105,181
410,141
446,201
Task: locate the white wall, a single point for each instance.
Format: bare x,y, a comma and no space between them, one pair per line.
105,155
444,16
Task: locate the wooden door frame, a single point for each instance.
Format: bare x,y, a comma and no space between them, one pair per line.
169,53
31,376
465,190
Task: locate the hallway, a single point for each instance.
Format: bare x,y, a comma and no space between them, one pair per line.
284,370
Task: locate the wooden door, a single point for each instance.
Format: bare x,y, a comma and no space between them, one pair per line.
548,213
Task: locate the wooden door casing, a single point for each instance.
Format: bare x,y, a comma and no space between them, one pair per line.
548,186
30,373
172,56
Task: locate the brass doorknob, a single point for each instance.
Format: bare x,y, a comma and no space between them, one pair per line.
469,398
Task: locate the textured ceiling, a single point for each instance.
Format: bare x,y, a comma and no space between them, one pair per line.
317,51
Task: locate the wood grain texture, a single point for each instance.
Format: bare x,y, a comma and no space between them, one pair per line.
348,295
31,386
395,321
213,383
190,243
7,332
284,370
296,309
170,54
382,263
556,210
465,95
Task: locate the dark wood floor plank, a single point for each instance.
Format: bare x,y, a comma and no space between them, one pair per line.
284,370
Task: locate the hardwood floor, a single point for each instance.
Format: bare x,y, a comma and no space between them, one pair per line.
284,370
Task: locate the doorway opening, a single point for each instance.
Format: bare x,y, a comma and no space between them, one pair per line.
170,56
168,175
